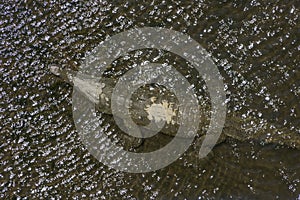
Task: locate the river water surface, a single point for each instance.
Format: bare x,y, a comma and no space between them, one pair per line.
255,45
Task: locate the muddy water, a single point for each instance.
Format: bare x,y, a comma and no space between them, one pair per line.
255,45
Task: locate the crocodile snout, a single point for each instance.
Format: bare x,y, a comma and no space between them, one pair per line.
55,70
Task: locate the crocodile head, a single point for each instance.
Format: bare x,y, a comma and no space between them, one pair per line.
55,70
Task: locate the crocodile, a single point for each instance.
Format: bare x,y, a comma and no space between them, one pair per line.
158,104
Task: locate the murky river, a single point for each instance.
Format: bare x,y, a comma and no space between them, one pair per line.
256,47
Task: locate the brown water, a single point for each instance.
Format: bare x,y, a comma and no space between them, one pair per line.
256,48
